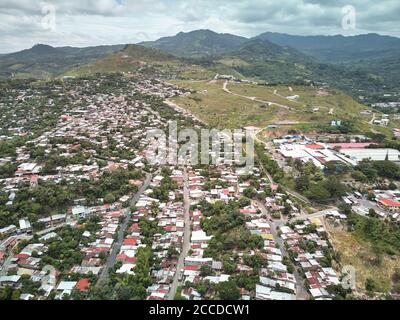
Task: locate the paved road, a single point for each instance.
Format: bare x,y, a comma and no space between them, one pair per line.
283,97
186,240
121,233
301,291
289,191
318,214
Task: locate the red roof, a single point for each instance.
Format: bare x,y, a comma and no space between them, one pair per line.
170,228
2,254
83,285
350,145
192,268
124,258
314,146
248,211
22,256
389,203
134,228
130,242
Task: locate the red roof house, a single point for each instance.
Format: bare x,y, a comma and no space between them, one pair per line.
83,285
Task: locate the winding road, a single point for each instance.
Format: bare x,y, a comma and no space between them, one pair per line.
225,88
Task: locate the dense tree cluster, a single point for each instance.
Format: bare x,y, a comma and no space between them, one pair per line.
372,170
384,237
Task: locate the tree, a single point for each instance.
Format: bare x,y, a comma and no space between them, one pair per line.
109,198
370,285
228,291
205,271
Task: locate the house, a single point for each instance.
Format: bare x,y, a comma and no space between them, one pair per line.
267,293
389,205
53,220
190,294
8,230
10,280
65,288
200,236
196,261
79,212
25,226
27,169
83,285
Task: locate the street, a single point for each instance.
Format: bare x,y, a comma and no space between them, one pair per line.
301,291
117,245
186,240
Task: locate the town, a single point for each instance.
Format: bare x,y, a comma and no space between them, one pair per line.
84,214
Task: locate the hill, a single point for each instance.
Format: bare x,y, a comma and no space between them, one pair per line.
43,61
235,105
147,61
339,49
198,44
270,62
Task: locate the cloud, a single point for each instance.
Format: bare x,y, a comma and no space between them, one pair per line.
92,22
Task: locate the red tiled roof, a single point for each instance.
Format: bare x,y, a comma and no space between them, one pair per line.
192,268
248,211
124,258
134,228
350,145
130,242
389,203
314,146
83,285
22,256
170,228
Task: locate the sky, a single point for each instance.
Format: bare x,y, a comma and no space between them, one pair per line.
80,23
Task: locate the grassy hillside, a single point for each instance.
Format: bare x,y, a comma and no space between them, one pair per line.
359,254
260,105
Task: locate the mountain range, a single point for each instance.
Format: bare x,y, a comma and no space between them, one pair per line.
44,61
359,64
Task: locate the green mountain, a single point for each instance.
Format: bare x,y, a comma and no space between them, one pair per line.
43,61
273,57
145,61
270,62
197,44
339,49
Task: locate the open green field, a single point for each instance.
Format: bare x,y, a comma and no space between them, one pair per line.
223,110
260,105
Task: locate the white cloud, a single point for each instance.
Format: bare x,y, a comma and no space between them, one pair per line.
92,22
